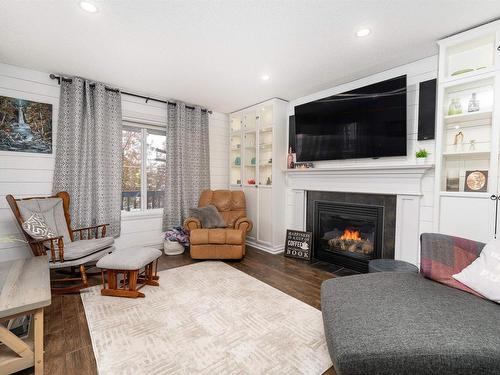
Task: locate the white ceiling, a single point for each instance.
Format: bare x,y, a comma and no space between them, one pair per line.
213,53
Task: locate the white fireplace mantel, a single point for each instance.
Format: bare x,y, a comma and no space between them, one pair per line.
386,179
404,181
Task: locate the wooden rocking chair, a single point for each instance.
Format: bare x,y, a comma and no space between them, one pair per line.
73,248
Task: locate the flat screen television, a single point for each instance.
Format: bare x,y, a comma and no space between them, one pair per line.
368,122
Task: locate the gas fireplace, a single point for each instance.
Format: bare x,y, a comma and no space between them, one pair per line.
350,233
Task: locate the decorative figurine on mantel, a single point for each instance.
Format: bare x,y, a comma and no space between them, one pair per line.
473,103
289,161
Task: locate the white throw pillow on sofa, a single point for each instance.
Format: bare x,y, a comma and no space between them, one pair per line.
483,275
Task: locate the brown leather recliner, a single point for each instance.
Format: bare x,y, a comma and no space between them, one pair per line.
220,243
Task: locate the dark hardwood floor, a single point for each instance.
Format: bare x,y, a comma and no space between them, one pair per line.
68,348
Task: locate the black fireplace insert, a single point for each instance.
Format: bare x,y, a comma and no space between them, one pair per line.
350,233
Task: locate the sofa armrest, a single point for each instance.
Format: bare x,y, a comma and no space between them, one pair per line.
192,223
244,223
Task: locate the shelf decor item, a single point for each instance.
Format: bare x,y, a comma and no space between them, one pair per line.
452,184
462,71
237,161
472,145
175,240
473,103
253,161
251,181
268,182
459,141
455,107
476,181
422,156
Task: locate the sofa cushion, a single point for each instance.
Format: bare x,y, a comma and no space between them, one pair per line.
483,275
402,323
208,216
217,236
129,259
443,256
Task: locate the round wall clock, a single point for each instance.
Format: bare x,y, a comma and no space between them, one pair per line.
476,181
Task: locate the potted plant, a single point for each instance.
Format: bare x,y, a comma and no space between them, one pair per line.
422,156
175,240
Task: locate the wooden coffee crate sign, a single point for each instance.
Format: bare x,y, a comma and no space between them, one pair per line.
298,244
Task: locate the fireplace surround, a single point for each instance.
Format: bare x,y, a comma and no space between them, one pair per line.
350,229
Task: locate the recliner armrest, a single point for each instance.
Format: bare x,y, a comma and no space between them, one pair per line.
244,223
192,223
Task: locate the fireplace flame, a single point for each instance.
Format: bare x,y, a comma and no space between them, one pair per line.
351,235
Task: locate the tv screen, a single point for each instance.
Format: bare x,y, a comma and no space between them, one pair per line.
368,122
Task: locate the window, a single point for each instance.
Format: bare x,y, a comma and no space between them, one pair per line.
144,168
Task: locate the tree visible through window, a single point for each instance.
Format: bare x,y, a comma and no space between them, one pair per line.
143,176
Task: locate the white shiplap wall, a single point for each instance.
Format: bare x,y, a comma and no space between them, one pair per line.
25,174
416,72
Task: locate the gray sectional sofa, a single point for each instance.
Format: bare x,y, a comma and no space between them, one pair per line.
404,323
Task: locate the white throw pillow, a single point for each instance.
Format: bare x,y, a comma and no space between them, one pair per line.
37,227
483,275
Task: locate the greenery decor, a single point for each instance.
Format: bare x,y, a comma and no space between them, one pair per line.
422,153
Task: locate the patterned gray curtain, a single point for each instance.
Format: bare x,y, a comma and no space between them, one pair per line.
188,162
89,153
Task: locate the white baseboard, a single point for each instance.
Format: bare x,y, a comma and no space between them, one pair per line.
271,250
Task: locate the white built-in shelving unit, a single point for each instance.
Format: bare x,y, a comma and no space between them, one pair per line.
468,136
256,163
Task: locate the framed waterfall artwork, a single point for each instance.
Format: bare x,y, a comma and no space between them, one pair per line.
25,126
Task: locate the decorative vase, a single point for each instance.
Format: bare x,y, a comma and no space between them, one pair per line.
455,107
172,247
421,161
473,103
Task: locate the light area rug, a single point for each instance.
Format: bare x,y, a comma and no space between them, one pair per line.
206,318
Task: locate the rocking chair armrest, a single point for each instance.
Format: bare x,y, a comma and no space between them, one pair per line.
38,244
89,229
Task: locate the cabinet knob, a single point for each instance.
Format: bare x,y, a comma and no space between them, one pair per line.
498,48
494,197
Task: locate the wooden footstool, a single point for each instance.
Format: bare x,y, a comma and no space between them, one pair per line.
129,263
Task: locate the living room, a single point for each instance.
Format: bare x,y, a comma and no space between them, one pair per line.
249,187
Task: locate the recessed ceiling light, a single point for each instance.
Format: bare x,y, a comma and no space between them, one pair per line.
363,32
265,77
88,6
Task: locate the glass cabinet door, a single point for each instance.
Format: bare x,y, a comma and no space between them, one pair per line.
250,158
266,156
266,116
235,124
236,160
249,120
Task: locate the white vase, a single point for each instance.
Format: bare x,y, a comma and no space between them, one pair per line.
421,161
172,247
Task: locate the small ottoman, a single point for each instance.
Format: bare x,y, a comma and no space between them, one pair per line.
129,262
391,265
